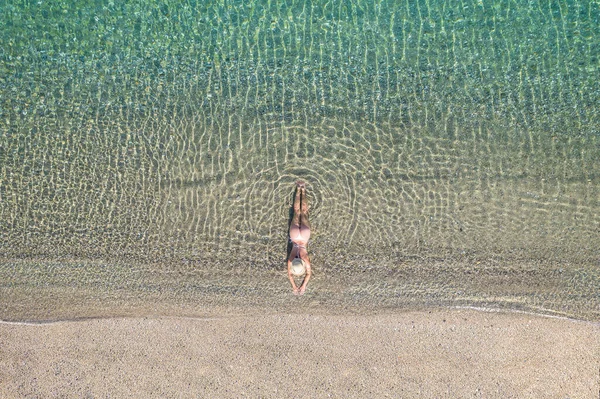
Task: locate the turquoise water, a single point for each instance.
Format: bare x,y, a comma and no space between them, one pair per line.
148,154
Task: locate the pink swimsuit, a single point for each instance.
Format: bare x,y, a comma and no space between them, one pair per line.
299,235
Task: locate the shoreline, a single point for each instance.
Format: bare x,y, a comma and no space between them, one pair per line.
213,293
477,309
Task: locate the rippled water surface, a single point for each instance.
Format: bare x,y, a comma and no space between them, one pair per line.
148,154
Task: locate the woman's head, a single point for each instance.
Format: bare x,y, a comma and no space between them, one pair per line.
298,267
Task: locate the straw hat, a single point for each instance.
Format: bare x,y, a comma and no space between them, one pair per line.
298,267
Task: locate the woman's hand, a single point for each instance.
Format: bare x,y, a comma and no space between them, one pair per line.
301,290
296,291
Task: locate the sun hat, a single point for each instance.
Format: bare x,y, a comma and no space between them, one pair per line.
298,267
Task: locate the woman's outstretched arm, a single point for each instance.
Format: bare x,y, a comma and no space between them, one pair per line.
306,278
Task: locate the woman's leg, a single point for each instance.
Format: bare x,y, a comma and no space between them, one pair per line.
300,227
297,208
303,219
304,201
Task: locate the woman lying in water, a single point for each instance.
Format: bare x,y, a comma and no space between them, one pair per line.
298,261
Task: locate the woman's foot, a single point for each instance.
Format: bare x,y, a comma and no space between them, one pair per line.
300,184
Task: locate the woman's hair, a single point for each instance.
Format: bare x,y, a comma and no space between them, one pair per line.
298,267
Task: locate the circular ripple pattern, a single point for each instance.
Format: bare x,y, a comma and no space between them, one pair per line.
150,150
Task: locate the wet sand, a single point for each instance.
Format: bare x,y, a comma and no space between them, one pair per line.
442,353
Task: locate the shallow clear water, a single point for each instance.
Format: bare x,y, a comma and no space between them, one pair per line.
148,154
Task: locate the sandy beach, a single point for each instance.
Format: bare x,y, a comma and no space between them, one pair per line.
443,353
